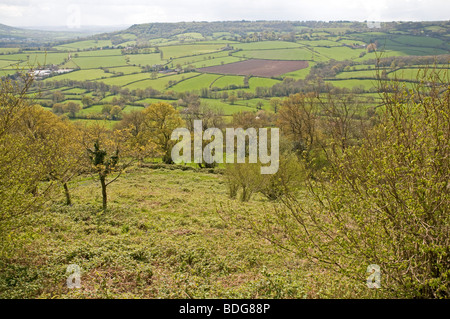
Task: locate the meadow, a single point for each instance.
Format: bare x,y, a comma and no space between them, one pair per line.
163,237
181,63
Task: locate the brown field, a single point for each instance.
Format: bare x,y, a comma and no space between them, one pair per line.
264,68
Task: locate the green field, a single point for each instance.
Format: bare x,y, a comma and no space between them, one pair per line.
195,83
161,83
277,54
98,62
357,74
339,53
300,74
82,75
145,59
217,61
226,108
266,45
176,51
125,69
228,80
95,53
36,59
349,84
126,79
83,45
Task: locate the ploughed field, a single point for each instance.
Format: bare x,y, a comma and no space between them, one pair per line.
256,67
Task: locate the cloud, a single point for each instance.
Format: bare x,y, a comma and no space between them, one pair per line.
115,12
12,11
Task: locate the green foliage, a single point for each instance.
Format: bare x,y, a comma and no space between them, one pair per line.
386,201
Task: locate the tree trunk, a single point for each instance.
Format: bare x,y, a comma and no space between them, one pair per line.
67,193
105,197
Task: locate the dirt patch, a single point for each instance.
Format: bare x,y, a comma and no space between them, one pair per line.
256,67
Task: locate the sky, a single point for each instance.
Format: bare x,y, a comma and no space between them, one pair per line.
75,14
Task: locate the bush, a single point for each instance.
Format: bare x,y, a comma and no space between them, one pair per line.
385,202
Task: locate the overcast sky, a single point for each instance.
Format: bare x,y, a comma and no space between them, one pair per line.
126,12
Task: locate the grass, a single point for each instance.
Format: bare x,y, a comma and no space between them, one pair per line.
151,101
226,107
195,83
130,108
36,59
126,79
198,58
419,40
319,43
162,237
357,74
160,83
254,82
266,45
218,61
97,53
339,53
83,45
82,75
8,50
366,84
100,61
94,109
277,54
225,81
300,74
125,69
145,59
176,51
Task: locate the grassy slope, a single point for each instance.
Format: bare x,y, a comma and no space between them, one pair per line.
161,238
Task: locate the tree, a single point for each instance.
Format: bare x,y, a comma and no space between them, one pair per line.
87,101
232,99
211,118
115,112
72,108
136,137
21,171
160,119
104,150
58,96
339,120
60,149
275,103
58,108
297,119
386,201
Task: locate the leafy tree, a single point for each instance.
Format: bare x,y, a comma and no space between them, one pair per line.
58,96
386,201
59,145
72,108
58,108
21,170
104,150
115,112
297,119
160,119
87,101
136,137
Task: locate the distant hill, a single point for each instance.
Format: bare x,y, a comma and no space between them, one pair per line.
229,29
19,37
